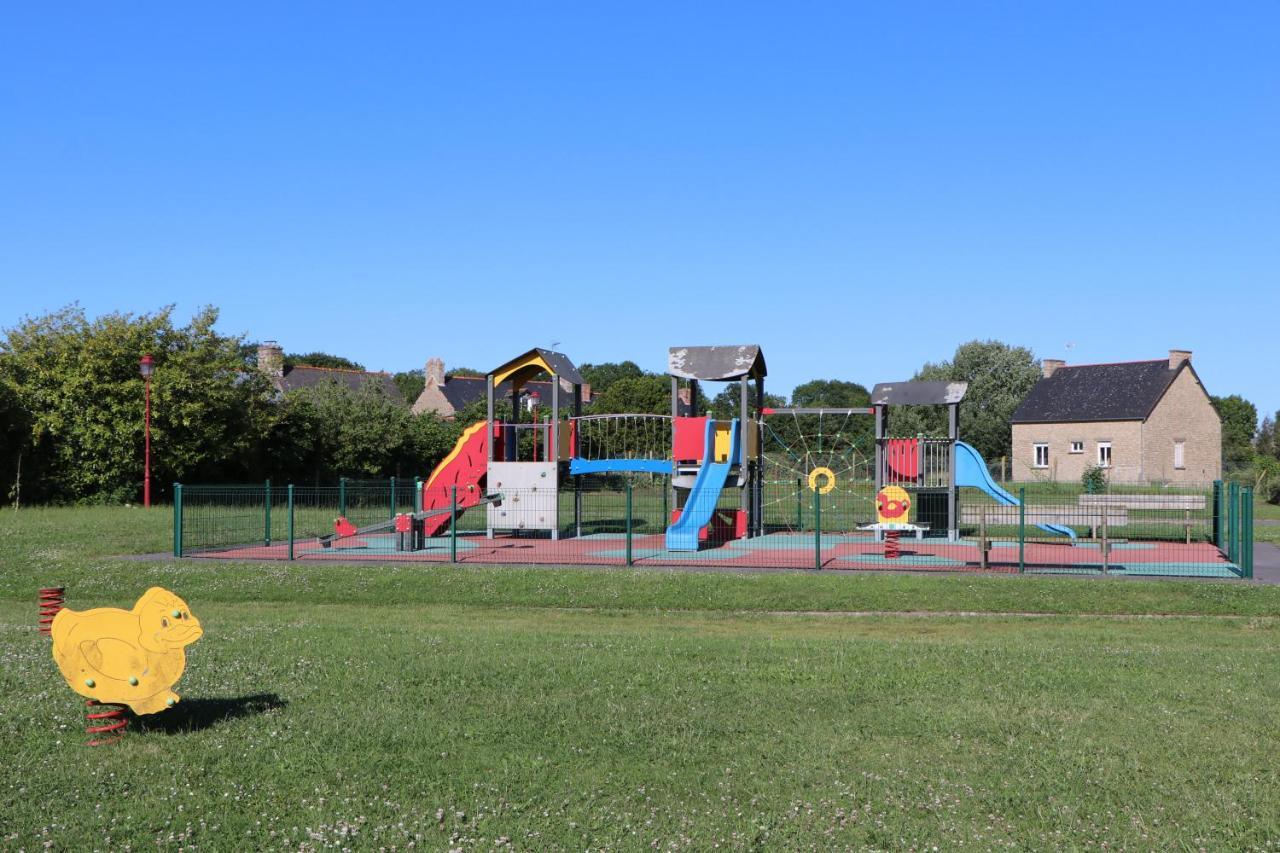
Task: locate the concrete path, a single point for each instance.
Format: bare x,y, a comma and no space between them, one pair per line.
1266,562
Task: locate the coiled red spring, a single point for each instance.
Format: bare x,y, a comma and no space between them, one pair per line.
892,548
107,725
51,601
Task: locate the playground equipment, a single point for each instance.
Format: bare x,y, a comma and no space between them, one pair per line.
517,467
125,658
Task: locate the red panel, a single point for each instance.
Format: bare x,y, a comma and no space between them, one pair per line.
690,438
903,457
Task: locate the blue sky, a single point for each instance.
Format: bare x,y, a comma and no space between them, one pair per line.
857,187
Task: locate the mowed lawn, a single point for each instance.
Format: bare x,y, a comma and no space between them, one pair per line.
440,707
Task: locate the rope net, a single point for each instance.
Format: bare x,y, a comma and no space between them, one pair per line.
832,453
623,437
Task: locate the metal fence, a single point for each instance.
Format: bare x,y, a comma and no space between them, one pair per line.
622,520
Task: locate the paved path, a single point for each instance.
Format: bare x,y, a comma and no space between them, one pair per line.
1266,562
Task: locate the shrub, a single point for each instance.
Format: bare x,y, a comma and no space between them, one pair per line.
1094,480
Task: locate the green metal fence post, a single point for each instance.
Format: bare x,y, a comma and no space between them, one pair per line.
1217,514
177,519
342,496
666,511
799,507
1022,529
266,514
291,521
393,498
1233,522
453,526
1246,532
417,494
817,530
628,522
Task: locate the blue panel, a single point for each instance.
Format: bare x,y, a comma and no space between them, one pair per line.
601,466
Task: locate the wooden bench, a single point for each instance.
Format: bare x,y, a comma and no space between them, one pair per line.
1096,517
1186,503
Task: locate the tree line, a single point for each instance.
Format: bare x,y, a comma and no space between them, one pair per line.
71,410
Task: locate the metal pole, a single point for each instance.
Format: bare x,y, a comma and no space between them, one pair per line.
177,519
817,530
453,526
146,455
393,498
291,521
342,496
266,514
1233,521
1022,529
799,504
417,494
1217,513
1246,529
629,523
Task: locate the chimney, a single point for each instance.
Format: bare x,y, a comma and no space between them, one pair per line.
586,392
434,373
1049,365
1177,357
271,358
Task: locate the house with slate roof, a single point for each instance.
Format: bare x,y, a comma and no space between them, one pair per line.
288,378
1144,421
447,395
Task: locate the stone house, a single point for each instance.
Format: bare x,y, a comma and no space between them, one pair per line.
290,378
447,395
1144,421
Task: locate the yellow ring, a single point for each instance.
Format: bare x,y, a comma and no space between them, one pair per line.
822,472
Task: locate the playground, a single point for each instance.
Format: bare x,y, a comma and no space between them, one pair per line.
770,487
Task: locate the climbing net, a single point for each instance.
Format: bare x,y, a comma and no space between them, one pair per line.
831,453
623,436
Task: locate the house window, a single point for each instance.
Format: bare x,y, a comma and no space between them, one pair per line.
1041,455
1104,454
1179,454
1077,447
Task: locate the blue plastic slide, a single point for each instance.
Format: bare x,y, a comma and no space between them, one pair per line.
971,470
705,494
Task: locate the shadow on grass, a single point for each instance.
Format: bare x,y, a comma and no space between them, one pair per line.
193,715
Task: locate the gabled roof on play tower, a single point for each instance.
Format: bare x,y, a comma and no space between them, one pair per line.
537,360
717,364
918,393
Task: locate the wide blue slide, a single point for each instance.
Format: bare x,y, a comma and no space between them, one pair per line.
705,494
972,471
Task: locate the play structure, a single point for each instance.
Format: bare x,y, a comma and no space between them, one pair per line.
525,465
120,659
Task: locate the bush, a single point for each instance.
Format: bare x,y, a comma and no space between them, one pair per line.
1094,480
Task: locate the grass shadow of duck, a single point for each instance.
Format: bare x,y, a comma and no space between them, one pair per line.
198,714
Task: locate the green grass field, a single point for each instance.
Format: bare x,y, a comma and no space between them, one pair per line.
381,707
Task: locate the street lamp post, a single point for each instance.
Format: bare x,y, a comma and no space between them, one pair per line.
146,367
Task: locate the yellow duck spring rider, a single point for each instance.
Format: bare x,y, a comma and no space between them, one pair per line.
127,657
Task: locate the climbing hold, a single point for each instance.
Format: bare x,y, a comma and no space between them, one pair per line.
133,681
170,701
175,613
89,682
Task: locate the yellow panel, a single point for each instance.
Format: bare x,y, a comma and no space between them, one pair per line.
724,440
893,505
127,657
521,370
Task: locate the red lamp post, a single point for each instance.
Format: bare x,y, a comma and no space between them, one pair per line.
146,367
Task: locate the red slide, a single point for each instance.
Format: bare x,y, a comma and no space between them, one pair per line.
464,467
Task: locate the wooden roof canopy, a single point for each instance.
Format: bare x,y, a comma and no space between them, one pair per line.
717,364
522,368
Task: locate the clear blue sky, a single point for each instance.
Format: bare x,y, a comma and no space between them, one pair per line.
857,187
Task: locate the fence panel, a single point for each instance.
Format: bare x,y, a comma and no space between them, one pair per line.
624,519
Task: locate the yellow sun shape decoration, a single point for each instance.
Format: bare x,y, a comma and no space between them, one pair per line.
828,483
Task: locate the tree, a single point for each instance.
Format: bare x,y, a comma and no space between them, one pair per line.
77,382
1267,442
999,375
728,403
647,394
410,383
601,376
1239,425
320,359
835,393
